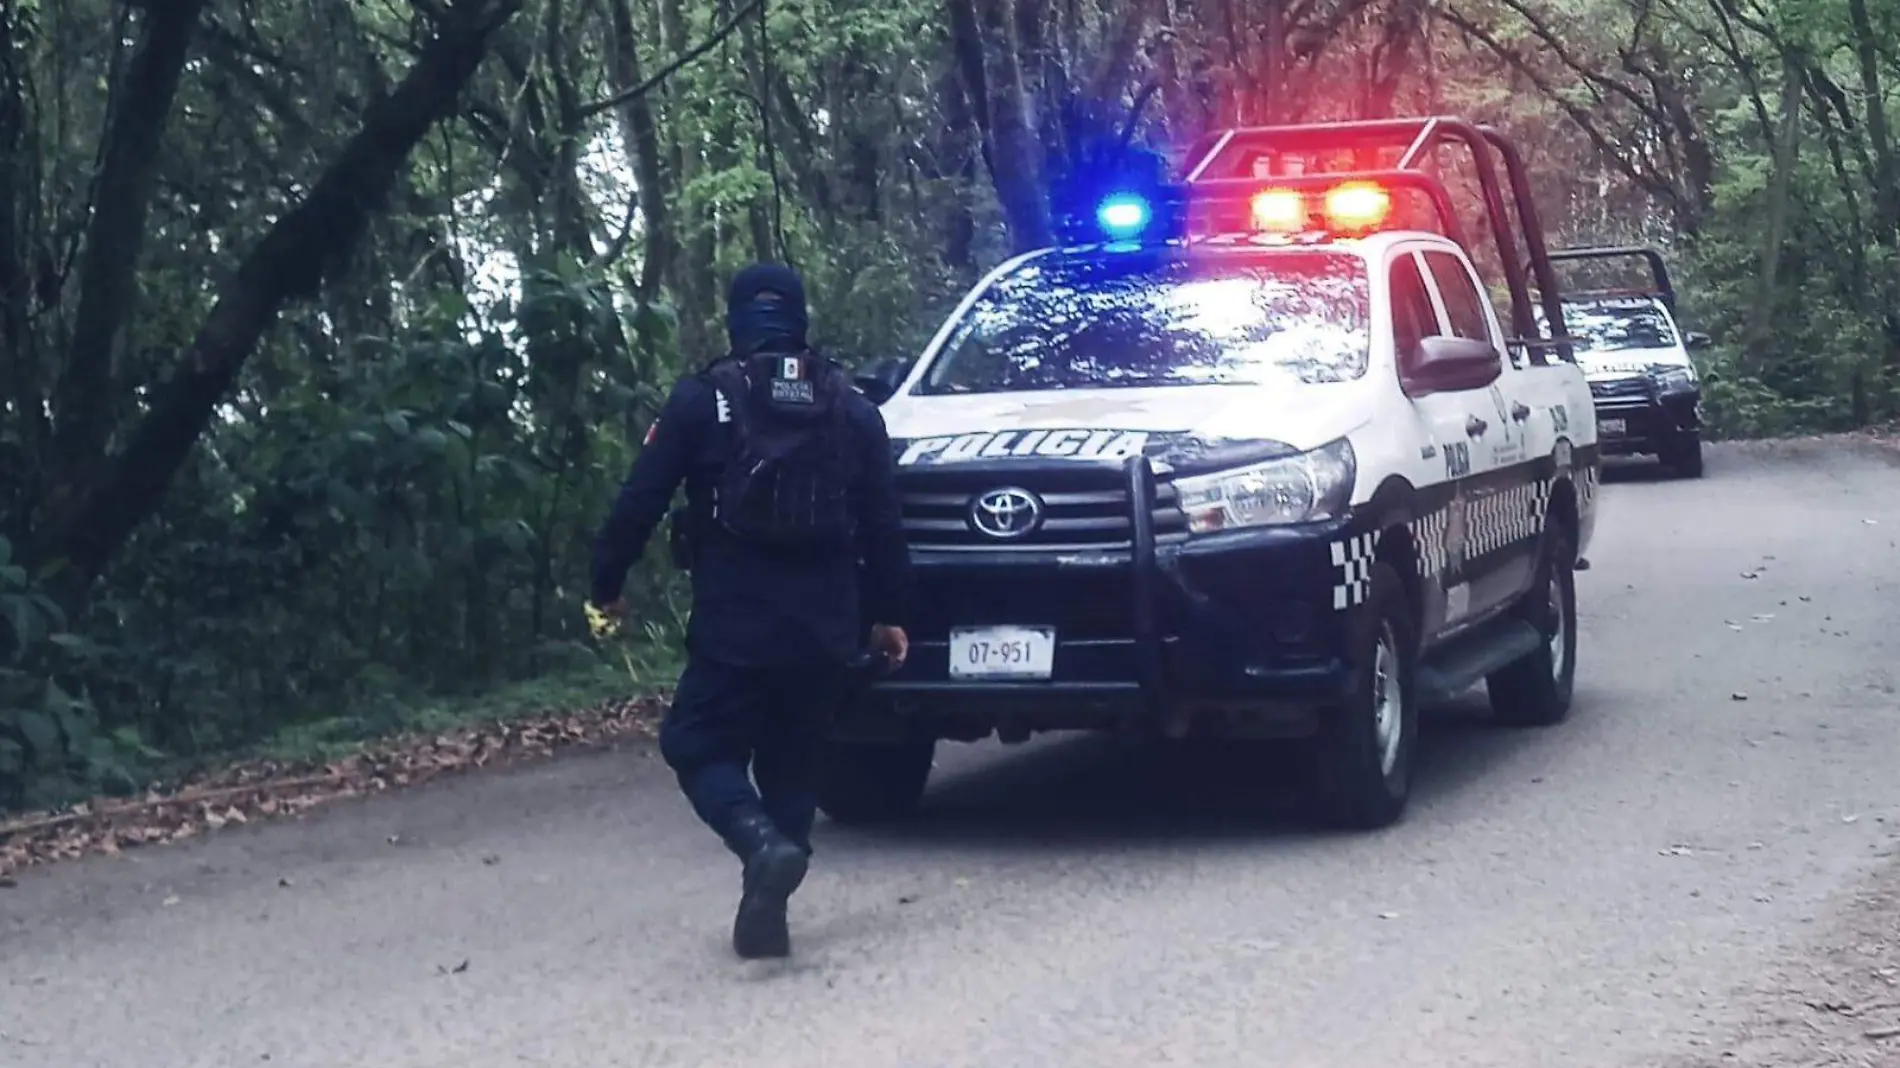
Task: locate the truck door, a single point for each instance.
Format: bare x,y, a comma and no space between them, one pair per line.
1503,511
1446,446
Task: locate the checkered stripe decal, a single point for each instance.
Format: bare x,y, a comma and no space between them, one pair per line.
1503,519
1492,523
1428,535
1352,558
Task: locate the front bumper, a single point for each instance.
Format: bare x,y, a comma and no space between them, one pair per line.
1234,633
1634,418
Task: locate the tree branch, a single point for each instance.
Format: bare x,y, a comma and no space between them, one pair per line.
288,263
718,35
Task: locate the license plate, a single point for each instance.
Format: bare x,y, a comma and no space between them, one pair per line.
1002,652
1610,427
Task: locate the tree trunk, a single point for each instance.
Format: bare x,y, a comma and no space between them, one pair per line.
20,484
1015,155
286,264
641,135
1886,170
115,237
1780,191
956,164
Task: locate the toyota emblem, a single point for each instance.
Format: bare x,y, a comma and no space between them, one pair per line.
1006,513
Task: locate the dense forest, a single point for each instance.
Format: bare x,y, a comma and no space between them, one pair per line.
327,329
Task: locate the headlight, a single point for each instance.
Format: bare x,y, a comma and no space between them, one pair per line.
1673,378
1306,488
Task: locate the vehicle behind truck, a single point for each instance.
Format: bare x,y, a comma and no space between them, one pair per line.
1251,456
1637,358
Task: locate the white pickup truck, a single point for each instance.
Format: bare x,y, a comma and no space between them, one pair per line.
1637,360
1250,460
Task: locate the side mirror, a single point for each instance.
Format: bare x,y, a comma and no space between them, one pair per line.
1695,340
879,382
1451,365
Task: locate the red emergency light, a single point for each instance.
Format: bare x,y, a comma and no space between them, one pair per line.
1354,207
1357,206
1279,210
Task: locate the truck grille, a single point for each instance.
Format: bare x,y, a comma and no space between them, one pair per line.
1084,604
1621,389
1083,507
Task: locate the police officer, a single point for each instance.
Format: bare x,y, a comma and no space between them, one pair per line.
791,501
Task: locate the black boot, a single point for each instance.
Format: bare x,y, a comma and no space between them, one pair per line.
774,867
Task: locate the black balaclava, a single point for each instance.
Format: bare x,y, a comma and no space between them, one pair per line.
765,310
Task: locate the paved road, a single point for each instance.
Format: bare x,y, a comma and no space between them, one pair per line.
1602,893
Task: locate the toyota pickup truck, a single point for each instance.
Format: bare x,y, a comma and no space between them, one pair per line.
1249,455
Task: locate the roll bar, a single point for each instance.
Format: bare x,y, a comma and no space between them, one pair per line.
1658,270
1221,165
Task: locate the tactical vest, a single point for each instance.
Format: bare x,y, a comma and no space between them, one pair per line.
790,462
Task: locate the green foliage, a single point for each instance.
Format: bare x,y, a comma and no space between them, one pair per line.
390,511
50,735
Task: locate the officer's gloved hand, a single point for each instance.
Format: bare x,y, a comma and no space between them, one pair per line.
892,642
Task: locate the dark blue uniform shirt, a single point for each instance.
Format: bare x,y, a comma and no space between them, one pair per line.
754,606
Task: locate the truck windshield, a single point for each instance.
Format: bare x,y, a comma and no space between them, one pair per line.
1102,322
1618,324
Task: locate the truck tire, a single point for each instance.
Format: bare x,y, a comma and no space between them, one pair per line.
863,784
1683,454
1363,766
1535,690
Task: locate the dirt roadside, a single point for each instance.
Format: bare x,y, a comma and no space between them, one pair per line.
259,790
1835,1002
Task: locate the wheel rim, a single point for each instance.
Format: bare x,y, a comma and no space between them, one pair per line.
1388,701
1559,641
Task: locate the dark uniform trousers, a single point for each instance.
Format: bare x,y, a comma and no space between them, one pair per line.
726,717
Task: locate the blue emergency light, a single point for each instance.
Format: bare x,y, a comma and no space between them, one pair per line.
1123,216
1123,200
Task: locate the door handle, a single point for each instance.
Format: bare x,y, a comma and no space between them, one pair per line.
1475,427
1520,411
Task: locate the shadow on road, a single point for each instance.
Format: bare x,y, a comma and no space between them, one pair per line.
1092,789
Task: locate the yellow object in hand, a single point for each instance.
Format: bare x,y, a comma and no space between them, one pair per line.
602,623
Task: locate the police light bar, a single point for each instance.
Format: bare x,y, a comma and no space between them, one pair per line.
1347,208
